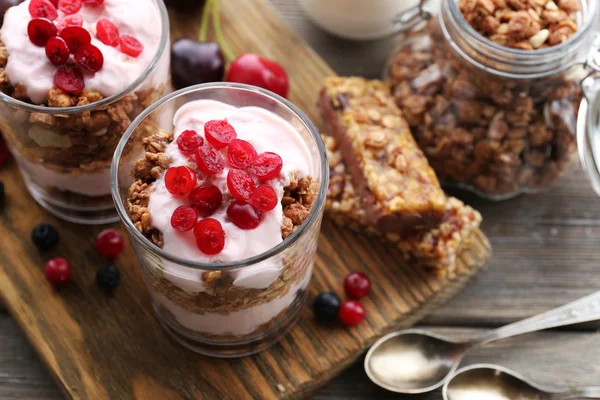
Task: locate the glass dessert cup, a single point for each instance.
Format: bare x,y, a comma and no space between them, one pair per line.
210,308
64,153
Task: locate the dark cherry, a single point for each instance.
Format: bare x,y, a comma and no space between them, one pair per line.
5,5
193,62
185,5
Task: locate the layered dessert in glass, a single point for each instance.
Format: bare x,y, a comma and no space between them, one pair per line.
224,206
72,78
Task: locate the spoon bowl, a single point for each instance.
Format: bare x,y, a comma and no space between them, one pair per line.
413,361
486,381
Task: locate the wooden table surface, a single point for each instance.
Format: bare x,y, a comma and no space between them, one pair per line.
546,250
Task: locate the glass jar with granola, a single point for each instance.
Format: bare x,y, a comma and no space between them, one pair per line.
491,89
223,207
72,78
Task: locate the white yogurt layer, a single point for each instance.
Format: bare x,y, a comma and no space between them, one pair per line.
237,323
266,132
29,66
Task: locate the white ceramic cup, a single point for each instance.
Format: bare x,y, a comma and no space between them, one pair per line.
356,19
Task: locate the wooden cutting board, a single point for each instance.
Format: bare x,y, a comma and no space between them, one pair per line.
111,347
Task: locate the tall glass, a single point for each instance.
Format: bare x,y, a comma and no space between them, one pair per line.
64,153
203,306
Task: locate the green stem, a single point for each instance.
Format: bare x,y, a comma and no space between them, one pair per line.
218,33
205,18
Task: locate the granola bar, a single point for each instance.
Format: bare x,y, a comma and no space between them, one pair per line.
398,189
437,247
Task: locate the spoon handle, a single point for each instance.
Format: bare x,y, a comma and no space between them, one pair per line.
580,393
583,310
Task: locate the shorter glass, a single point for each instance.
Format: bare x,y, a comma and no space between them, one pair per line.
199,304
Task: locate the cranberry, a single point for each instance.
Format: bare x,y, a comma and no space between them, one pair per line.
351,313
240,154
240,184
258,71
219,133
195,62
206,199
75,36
109,243
267,166
70,20
93,3
57,51
243,215
180,180
89,57
43,9
131,46
209,160
184,219
58,271
40,30
357,285
69,6
107,33
264,198
69,80
189,141
210,236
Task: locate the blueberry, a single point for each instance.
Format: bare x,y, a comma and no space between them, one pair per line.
326,306
44,236
108,277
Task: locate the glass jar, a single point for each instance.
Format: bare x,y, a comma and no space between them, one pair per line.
221,309
64,152
492,119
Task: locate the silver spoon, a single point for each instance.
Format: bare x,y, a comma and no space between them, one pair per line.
492,382
416,361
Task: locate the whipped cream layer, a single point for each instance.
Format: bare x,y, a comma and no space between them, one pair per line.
266,132
29,66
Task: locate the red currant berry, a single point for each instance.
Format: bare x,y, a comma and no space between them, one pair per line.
70,20
93,3
267,166
243,215
43,9
264,198
89,57
57,51
40,30
131,46
240,154
180,180
58,271
351,313
107,33
240,184
206,199
69,80
75,36
219,133
210,236
189,141
209,160
357,285
109,243
69,6
258,71
184,219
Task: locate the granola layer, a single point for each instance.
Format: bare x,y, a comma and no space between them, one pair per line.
433,248
398,188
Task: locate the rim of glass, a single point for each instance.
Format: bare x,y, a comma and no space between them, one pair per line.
162,46
310,220
588,20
